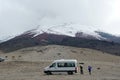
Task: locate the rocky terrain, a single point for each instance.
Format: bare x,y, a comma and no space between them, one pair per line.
29,63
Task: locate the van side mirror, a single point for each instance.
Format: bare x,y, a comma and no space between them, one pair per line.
50,66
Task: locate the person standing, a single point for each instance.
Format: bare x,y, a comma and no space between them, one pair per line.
81,69
89,69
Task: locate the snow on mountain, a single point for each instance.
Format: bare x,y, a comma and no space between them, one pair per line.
66,29
72,29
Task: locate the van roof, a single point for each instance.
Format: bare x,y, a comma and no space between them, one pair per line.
66,60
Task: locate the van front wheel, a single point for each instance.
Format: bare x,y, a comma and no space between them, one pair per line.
48,73
70,72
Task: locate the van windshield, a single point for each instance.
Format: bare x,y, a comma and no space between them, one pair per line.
53,65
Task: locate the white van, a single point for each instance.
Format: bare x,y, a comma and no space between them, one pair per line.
63,65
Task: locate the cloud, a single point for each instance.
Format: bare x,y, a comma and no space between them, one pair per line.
17,16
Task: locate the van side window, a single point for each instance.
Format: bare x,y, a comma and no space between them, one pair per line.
66,64
71,65
53,65
60,64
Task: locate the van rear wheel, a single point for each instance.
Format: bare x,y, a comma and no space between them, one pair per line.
70,72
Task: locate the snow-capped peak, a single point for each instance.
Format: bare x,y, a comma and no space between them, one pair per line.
69,29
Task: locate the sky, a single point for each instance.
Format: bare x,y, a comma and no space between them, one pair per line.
17,16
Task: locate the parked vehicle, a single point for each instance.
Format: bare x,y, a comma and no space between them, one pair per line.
63,65
2,59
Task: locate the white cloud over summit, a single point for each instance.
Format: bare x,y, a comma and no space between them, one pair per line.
17,16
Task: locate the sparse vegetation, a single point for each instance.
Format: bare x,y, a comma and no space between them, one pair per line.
73,51
58,54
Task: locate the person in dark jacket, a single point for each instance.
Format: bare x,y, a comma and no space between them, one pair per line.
89,69
81,69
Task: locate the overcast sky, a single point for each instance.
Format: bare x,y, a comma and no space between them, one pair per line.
17,16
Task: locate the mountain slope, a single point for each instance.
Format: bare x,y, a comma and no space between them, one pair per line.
109,37
52,52
27,40
67,35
